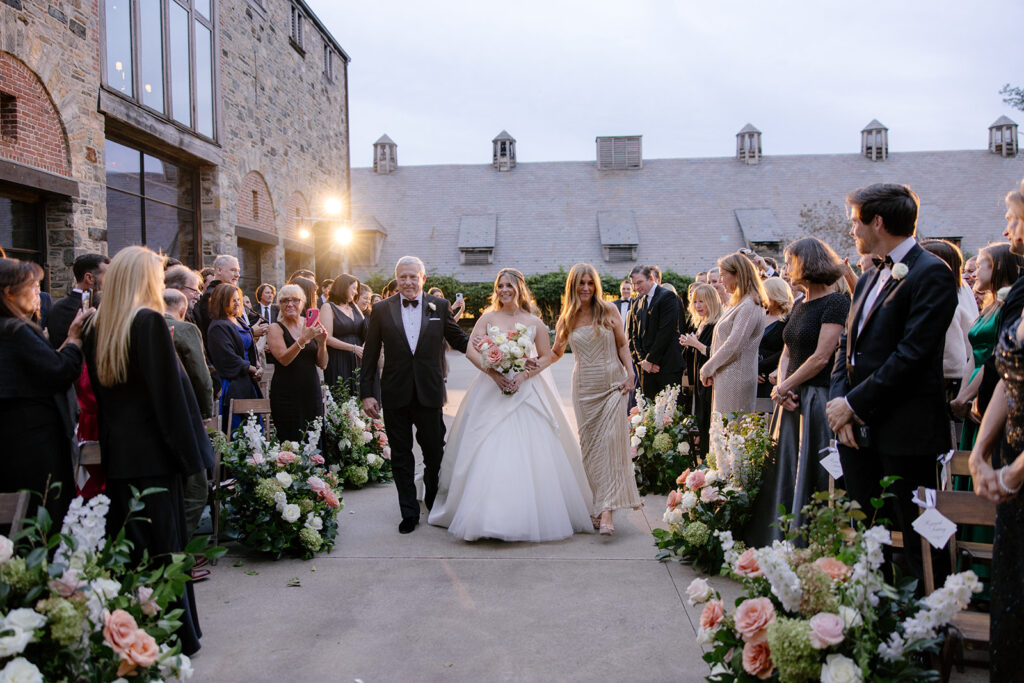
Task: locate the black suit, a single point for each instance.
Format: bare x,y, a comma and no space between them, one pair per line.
412,389
891,374
659,342
257,314
62,313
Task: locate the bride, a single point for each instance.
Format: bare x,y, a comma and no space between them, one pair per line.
513,469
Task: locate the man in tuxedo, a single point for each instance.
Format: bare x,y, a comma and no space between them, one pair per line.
624,301
887,393
656,343
411,327
88,270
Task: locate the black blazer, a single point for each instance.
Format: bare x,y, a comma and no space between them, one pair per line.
228,356
659,336
405,372
62,313
257,313
634,329
892,372
150,425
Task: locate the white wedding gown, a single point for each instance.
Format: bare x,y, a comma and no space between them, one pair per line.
512,468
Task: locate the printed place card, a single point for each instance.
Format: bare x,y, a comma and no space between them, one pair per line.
934,527
832,464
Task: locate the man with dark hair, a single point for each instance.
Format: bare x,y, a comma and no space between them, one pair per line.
88,270
887,391
266,308
654,332
325,291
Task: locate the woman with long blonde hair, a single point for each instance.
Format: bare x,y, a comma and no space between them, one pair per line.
705,310
602,379
512,468
151,432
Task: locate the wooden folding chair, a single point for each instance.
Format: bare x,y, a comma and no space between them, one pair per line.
969,628
243,406
956,467
13,508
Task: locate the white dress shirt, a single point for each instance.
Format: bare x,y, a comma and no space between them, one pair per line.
897,255
412,319
265,312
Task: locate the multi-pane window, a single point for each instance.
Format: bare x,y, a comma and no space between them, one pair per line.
298,27
150,201
160,53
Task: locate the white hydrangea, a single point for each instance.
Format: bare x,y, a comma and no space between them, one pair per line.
291,513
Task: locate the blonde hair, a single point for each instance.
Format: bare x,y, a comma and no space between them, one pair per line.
572,306
702,291
779,294
748,282
134,280
524,298
292,291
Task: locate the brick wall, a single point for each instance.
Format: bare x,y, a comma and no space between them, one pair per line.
255,209
32,133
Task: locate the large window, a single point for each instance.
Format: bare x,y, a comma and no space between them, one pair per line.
150,201
160,54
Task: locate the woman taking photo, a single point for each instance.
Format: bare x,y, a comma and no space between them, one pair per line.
732,368
346,330
705,310
295,396
232,352
151,433
35,415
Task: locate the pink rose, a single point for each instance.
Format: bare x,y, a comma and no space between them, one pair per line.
143,651
674,498
119,630
709,495
331,498
316,459
712,615
148,606
285,458
382,439
635,410
752,618
826,630
317,484
681,479
667,420
67,584
837,569
494,356
757,660
485,341
254,459
695,480
746,565
386,454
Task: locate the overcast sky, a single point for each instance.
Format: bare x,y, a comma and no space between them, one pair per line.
442,78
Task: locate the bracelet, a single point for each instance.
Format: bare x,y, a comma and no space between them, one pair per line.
301,346
1002,483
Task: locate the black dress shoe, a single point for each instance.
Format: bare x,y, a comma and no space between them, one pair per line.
407,525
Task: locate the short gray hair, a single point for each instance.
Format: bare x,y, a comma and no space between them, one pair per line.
410,261
181,277
223,260
174,300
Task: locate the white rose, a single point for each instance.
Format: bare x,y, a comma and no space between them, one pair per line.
6,548
705,636
291,513
517,351
524,342
851,617
641,431
107,589
634,441
24,618
711,476
284,478
500,339
344,444
636,419
899,271
20,670
15,642
689,500
674,516
840,669
521,328
684,447
367,437
358,424
699,591
314,522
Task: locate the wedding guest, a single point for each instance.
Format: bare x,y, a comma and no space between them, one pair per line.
207,275
363,302
622,303
302,272
800,427
225,271
151,434
390,287
970,266
189,283
35,409
655,349
325,292
702,277
732,367
232,352
267,309
458,306
299,349
88,270
997,268
375,299
602,378
705,310
780,303
715,280
346,330
309,289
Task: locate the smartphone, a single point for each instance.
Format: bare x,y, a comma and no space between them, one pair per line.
458,297
86,299
312,315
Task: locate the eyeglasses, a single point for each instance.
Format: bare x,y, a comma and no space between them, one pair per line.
285,302
191,289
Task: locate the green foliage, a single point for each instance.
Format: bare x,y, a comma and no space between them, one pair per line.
1013,96
349,455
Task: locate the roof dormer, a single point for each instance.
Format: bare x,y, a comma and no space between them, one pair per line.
874,141
504,157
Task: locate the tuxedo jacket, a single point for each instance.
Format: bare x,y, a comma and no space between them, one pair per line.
62,313
405,373
257,313
891,372
659,331
618,307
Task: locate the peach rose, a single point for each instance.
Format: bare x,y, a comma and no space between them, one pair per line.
316,459
285,458
485,341
143,651
382,439
119,630
674,498
826,630
681,479
712,615
494,356
331,498
696,480
757,660
635,410
837,569
753,617
746,565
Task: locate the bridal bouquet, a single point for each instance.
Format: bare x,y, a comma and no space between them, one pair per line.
661,438
825,612
74,608
355,445
506,351
283,499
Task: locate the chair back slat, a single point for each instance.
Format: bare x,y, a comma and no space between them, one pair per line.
963,507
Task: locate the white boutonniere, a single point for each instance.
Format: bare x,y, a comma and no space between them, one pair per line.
899,271
1001,294
431,306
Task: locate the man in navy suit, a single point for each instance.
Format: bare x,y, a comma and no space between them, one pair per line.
887,392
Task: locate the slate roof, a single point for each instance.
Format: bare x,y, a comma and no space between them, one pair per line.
617,228
686,212
477,232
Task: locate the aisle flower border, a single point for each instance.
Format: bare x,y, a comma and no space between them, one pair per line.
356,446
661,439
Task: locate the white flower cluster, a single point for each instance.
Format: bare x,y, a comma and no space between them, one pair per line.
937,610
177,667
98,593
865,583
728,546
21,625
254,435
840,669
740,474
20,670
774,563
665,405
374,460
312,444
313,522
718,448
86,523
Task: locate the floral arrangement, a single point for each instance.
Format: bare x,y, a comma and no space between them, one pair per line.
74,608
824,612
283,497
356,445
661,438
506,352
739,447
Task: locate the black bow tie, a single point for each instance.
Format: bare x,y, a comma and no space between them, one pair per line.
879,262
411,302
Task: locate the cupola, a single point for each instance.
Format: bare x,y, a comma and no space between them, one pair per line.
748,145
504,158
874,141
385,155
1002,137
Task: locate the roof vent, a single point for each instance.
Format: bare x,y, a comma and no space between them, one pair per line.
504,157
874,141
621,152
1002,137
748,145
385,155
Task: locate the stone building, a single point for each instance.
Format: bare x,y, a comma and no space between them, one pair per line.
682,214
195,127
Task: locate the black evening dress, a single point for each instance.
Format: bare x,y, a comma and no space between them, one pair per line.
295,397
768,354
342,364
1007,655
701,394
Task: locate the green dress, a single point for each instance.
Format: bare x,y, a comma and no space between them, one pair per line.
982,336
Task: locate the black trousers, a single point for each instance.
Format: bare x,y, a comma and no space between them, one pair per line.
863,470
653,383
430,431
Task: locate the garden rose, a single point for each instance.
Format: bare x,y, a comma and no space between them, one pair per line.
143,650
899,271
709,495
683,447
316,459
695,480
711,476
698,591
119,630
689,500
484,343
331,498
148,606
20,670
746,565
285,458
837,569
291,513
826,630
386,453
674,498
6,549
67,584
635,410
840,669
382,439
757,660
367,437
317,484
641,431
284,478
712,615
752,618
672,516
681,479
14,643
851,617
25,619
495,355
